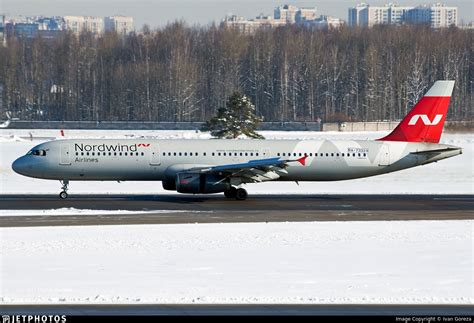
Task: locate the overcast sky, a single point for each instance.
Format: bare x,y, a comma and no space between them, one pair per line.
159,12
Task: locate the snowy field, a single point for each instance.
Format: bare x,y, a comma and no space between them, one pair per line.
451,176
393,262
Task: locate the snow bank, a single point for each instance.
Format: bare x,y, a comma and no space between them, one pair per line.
397,262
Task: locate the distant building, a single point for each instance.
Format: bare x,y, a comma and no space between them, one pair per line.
79,24
120,24
283,15
437,15
325,22
26,30
305,14
250,26
292,14
74,23
286,13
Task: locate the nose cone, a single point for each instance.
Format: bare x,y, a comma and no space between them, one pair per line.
21,166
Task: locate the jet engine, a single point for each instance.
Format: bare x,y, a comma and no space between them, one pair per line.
200,183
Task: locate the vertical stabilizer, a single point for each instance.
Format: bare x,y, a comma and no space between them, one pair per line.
424,123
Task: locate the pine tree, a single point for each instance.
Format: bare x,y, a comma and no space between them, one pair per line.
236,118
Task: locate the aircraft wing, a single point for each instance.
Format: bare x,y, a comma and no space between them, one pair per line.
253,171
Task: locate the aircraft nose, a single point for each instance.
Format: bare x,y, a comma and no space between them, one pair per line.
21,166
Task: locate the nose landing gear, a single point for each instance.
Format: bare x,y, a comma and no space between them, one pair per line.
63,195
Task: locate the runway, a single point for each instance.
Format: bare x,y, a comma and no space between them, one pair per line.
165,209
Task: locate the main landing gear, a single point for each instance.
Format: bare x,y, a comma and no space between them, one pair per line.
63,195
237,193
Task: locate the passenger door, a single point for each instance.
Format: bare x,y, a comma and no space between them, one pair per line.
65,154
155,156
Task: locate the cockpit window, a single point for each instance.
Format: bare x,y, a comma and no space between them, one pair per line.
39,152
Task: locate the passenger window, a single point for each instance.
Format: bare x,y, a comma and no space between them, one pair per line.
256,154
365,155
353,154
185,154
203,154
235,154
120,154
136,154
311,154
337,154
218,154
126,154
180,153
358,154
110,154
87,154
196,154
143,154
342,154
164,154
174,154
82,154
224,154
332,154
190,154
246,154
278,154
241,154
115,154
213,154
251,154
327,155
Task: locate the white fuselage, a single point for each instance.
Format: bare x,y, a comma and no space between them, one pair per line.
150,159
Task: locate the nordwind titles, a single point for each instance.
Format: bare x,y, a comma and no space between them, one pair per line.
105,147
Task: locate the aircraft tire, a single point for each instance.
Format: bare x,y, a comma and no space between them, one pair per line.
63,195
241,194
231,193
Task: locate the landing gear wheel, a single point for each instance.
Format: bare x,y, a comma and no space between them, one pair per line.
241,194
231,193
64,186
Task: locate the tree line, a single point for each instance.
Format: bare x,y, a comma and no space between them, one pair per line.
183,73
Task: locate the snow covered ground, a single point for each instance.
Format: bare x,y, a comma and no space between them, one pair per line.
450,176
315,262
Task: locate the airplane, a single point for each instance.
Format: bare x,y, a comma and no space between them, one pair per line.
205,166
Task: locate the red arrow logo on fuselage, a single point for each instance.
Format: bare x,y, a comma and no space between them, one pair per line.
144,145
302,160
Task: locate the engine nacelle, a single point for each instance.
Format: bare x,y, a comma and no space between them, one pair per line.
169,184
200,183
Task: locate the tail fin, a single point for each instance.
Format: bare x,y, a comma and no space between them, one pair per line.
424,123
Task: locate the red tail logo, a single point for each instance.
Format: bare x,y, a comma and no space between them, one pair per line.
144,145
425,119
424,123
